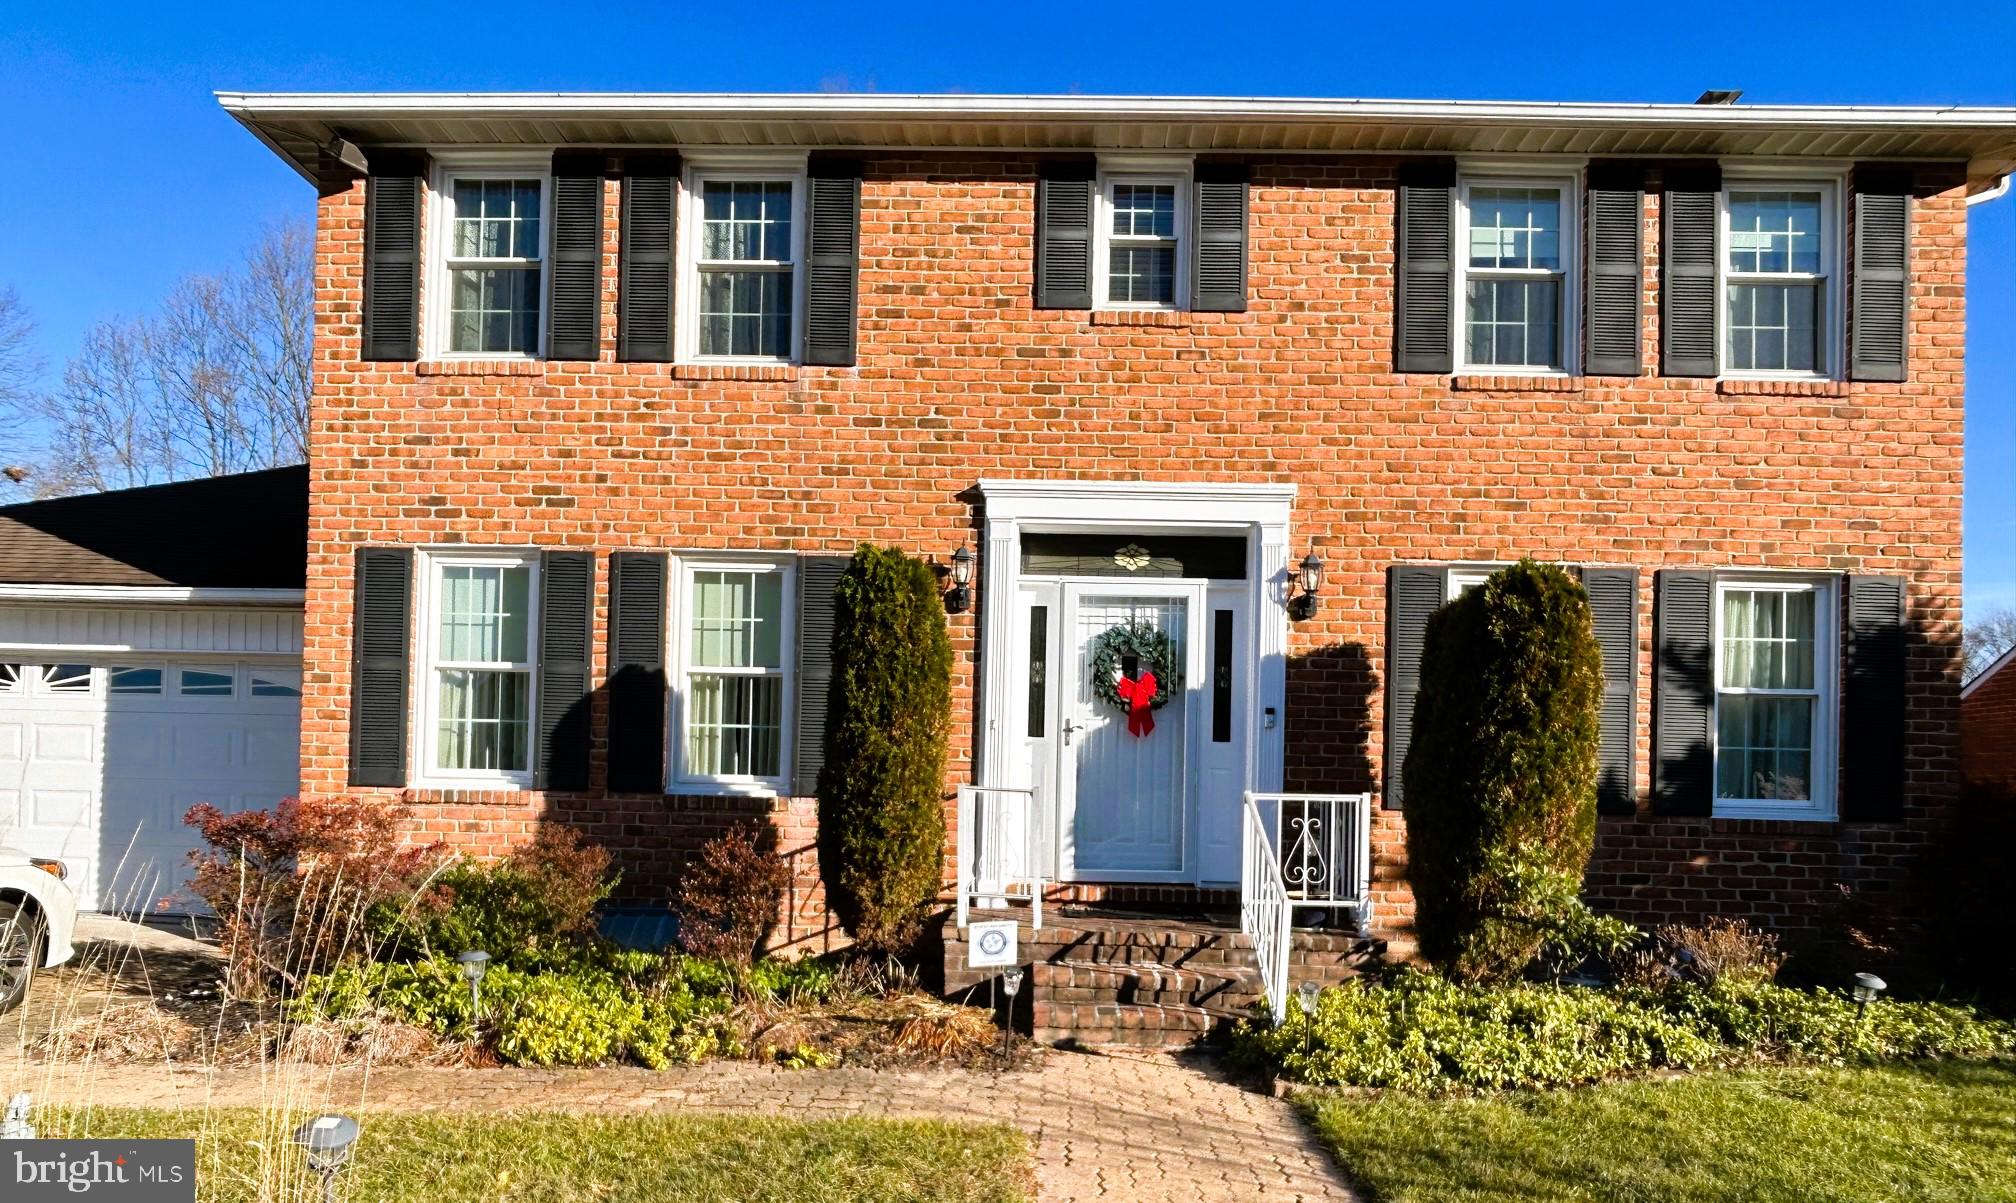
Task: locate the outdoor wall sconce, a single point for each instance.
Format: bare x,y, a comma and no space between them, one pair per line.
327,1139
960,597
475,963
1310,576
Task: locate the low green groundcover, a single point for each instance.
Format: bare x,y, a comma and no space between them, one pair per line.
1416,1031
1929,1131
585,1007
242,1157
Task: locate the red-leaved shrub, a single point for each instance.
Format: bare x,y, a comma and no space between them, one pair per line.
728,897
291,886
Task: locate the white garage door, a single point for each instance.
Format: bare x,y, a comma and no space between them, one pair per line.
100,760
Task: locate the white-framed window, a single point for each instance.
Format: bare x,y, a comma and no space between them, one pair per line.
1141,224
734,645
1463,579
489,237
742,254
1782,301
479,641
1516,250
136,679
1774,732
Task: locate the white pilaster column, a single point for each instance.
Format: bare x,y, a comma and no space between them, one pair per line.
1270,629
1000,584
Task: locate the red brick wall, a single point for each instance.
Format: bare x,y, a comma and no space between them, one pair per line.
960,378
1988,730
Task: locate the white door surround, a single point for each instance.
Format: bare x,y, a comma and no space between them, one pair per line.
1259,512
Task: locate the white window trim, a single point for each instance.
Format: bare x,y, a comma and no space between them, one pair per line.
1821,806
435,300
424,721
679,657
1568,322
738,169
1833,332
1114,171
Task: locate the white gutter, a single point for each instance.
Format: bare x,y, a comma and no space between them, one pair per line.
153,595
816,106
2000,190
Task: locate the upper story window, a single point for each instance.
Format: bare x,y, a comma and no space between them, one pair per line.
1515,242
1774,677
744,248
480,649
492,252
1141,229
734,686
1778,268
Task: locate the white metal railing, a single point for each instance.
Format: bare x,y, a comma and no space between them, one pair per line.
1307,851
1263,906
1001,848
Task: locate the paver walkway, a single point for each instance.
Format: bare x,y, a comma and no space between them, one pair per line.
1146,1127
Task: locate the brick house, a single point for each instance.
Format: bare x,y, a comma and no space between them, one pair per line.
607,386
1988,724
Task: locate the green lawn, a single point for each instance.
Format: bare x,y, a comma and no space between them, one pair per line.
1913,1132
557,1159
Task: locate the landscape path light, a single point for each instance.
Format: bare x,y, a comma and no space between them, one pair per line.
1011,984
475,963
1307,996
1867,987
328,1140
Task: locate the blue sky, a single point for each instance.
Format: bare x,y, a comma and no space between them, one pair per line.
121,174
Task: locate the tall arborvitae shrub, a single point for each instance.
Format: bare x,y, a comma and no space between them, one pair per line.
881,815
1501,772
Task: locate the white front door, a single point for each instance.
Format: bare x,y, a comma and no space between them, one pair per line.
1124,792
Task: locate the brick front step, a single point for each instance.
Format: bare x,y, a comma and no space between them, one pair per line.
1149,980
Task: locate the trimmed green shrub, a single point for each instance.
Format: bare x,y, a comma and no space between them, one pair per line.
540,898
881,814
1420,1032
1501,771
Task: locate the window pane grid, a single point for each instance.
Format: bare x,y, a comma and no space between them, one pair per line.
1512,295
1767,700
484,720
483,661
1775,269
735,725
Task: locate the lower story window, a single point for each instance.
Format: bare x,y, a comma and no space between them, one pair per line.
1773,674
736,644
482,666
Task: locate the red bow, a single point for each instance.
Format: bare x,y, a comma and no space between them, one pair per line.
1139,694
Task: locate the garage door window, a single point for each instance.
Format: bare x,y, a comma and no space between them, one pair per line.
201,683
276,683
11,678
126,680
482,667
67,678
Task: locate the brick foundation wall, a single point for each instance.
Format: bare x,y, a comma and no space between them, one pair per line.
1988,730
960,378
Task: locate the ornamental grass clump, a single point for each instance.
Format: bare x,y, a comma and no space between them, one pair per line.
1501,771
881,814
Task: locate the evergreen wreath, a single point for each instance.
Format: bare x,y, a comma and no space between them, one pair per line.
1151,651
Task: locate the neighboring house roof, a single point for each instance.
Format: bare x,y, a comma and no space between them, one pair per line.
247,531
320,133
1995,666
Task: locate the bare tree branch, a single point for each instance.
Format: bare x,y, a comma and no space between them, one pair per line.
1985,638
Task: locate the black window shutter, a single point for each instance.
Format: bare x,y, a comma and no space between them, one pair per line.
646,259
1613,608
1424,268
392,259
1064,234
1616,270
637,672
1683,693
1413,593
832,260
574,288
381,663
1880,315
1218,225
566,621
1872,703
1688,296
817,576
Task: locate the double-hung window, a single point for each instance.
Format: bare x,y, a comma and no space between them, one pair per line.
735,642
492,251
1774,685
745,244
1141,222
1515,244
481,642
1778,268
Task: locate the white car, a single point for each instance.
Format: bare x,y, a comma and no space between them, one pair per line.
38,913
